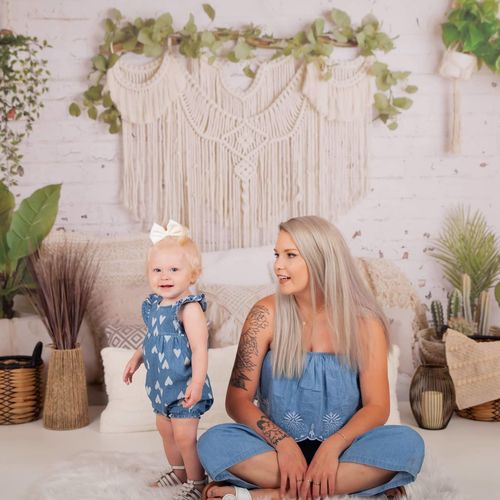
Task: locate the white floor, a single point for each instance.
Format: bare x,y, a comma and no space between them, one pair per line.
468,451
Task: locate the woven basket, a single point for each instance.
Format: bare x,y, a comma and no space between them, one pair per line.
21,387
66,402
489,411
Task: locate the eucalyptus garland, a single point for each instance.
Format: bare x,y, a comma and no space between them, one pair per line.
315,44
23,81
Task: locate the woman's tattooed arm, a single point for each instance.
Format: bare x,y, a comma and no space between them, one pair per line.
270,430
257,321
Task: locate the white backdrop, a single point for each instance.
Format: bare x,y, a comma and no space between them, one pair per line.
412,179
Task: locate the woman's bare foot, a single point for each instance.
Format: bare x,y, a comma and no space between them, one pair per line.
217,492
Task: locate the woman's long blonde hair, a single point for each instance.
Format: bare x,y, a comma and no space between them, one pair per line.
334,276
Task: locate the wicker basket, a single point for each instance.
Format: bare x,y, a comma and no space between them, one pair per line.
489,411
21,387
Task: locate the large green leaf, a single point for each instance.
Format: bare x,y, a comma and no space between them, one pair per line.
32,221
7,205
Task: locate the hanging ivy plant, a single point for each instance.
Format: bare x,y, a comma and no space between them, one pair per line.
315,44
472,27
23,81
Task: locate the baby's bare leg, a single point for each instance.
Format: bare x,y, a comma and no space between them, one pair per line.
184,432
174,457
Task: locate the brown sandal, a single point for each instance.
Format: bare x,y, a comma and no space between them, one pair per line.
396,493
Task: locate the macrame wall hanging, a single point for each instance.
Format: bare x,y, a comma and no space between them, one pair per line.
232,164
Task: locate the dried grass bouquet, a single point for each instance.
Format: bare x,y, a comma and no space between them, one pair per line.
64,276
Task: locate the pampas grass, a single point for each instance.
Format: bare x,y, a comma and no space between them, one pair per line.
63,278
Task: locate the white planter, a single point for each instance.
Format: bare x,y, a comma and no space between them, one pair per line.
457,65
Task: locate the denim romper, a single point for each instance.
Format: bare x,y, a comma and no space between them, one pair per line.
310,409
167,357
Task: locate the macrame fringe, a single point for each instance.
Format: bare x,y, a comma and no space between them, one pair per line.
232,164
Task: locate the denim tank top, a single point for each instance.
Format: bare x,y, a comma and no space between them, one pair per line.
315,405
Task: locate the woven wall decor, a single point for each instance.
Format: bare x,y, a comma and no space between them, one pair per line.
233,164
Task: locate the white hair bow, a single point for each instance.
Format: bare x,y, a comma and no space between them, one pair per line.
175,229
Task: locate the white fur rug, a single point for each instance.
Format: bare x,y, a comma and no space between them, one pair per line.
125,476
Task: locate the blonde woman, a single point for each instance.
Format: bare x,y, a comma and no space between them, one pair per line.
315,356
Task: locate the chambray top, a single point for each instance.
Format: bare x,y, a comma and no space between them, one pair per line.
167,357
315,405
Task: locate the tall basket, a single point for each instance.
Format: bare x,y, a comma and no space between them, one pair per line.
66,401
21,392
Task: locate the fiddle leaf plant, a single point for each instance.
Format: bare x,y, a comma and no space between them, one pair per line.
21,234
23,82
314,44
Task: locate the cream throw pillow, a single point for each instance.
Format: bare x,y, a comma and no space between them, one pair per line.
129,409
228,307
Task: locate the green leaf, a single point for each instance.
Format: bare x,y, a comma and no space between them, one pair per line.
370,19
410,89
319,26
112,60
242,50
74,109
248,71
340,18
207,38
449,34
93,93
392,126
114,127
381,101
32,221
190,26
165,20
130,44
92,112
497,293
107,102
154,50
378,68
99,63
402,102
145,36
109,25
7,205
115,14
209,11
310,36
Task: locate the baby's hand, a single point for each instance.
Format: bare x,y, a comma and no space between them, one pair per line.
131,367
193,394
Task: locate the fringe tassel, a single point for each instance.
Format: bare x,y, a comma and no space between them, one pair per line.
232,164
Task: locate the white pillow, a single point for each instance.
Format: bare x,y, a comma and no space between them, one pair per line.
402,327
129,409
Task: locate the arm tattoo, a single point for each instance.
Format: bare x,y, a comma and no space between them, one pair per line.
258,320
271,431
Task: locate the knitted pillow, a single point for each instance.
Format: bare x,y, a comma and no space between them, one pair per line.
228,307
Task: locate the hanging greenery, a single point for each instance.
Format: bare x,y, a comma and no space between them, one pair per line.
151,37
23,81
472,27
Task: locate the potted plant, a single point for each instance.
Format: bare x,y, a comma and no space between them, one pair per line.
23,81
64,276
472,36
21,233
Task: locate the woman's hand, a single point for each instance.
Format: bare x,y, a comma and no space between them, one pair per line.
321,474
132,366
292,466
193,394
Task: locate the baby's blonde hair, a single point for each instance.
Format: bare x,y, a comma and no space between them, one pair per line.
191,250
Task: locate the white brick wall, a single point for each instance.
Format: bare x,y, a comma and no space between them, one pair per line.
412,178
